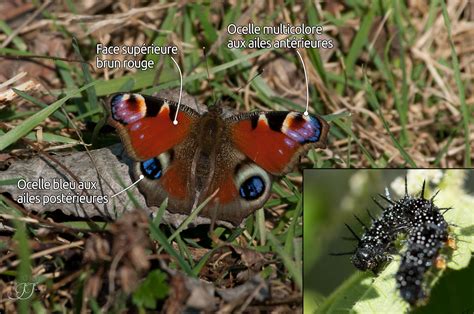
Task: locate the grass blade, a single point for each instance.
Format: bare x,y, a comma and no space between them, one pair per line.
29,124
462,96
295,270
161,238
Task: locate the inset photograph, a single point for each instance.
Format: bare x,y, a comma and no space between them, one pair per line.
388,241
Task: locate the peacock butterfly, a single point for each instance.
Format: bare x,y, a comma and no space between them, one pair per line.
234,156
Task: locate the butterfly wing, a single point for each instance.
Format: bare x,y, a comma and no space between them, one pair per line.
261,144
241,187
246,149
275,140
145,124
160,148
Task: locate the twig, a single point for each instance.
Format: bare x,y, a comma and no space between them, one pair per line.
45,252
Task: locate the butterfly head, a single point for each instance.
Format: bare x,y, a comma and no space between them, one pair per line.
215,107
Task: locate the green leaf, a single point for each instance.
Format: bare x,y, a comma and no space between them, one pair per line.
381,293
152,289
344,297
460,216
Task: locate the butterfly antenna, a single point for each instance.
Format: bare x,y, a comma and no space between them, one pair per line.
204,55
260,72
352,231
360,221
423,190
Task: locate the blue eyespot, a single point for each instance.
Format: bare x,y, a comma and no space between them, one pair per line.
252,188
152,168
316,129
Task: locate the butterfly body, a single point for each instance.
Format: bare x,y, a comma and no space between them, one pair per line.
233,156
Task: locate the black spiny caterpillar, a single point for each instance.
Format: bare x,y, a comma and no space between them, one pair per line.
426,231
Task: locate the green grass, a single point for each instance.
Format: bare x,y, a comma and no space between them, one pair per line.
29,124
223,63
466,117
